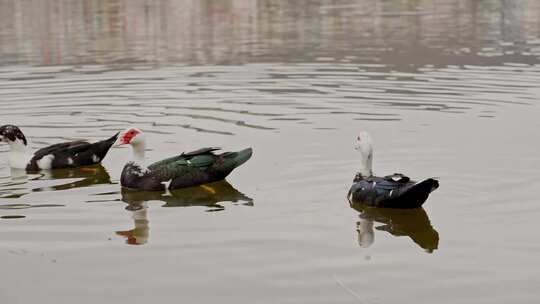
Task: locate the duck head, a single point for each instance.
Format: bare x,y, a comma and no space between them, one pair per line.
19,152
136,139
363,145
12,135
131,136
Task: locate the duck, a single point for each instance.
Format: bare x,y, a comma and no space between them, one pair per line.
392,191
62,155
189,169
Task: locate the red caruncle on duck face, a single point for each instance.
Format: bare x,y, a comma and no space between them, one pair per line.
127,136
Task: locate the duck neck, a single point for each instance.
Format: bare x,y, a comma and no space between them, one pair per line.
366,165
138,153
19,154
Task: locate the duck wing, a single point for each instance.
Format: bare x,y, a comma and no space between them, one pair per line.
392,191
197,167
190,167
199,157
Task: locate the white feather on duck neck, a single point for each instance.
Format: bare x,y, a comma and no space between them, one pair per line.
139,145
363,145
19,153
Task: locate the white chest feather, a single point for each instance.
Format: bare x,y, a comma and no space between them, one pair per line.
19,154
18,159
137,169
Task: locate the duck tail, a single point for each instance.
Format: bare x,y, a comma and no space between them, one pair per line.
417,194
426,186
243,156
112,139
104,145
239,157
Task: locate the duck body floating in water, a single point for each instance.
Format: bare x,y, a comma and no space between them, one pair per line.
392,191
63,155
185,170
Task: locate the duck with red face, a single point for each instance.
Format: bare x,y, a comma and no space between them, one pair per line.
184,170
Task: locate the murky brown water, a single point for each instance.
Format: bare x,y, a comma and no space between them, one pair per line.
447,89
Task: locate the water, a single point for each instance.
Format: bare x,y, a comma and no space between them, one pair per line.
446,88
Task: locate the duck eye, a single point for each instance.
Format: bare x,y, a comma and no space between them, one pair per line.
358,138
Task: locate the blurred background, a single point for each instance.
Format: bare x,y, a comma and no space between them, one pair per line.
237,31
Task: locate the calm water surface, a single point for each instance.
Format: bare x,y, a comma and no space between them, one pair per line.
447,89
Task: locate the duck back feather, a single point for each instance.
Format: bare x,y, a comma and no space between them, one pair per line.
392,191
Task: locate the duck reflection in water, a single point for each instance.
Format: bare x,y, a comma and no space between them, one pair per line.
139,213
413,223
211,195
78,177
88,176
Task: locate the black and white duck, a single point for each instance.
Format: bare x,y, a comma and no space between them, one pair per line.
185,170
63,155
391,191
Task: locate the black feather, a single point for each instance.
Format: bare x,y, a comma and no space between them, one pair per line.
201,151
392,191
73,154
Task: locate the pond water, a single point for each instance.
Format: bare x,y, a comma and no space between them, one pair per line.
447,89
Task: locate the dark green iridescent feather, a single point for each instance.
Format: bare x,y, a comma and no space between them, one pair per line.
188,169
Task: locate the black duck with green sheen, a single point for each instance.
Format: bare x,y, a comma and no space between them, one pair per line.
185,170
